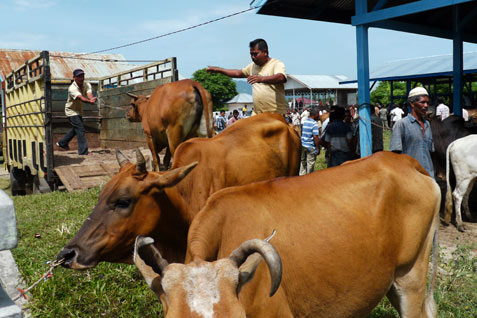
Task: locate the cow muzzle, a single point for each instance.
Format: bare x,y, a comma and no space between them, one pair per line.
70,256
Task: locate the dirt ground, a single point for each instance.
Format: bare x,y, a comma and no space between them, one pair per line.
99,155
450,238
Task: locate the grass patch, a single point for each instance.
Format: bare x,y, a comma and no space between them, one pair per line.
109,290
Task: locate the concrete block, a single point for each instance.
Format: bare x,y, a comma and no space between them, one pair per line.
8,223
8,309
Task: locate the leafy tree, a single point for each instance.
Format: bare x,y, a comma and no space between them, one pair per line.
221,87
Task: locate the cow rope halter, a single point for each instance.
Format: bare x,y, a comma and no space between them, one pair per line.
43,277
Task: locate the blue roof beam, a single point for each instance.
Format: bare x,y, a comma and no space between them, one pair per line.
402,10
380,5
421,29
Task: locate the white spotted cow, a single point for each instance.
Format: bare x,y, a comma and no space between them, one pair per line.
205,289
462,154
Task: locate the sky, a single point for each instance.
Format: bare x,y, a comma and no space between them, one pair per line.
306,47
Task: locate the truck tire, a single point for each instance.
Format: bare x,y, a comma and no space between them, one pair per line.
17,181
40,185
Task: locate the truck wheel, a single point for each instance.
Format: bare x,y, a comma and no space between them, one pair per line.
40,185
17,181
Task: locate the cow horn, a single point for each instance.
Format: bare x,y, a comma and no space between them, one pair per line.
132,95
122,159
144,247
269,254
140,161
148,96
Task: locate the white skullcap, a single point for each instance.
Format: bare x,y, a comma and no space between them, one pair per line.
418,91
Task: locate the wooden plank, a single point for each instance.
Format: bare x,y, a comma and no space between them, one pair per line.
88,170
70,180
112,167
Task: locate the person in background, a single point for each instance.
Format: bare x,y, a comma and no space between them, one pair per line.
296,119
442,110
304,116
221,122
412,135
244,114
79,92
338,138
309,143
267,76
396,114
383,115
377,132
234,118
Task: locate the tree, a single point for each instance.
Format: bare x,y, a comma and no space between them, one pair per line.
221,87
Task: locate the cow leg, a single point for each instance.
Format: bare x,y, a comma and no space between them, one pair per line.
458,194
154,153
167,159
408,292
174,137
465,202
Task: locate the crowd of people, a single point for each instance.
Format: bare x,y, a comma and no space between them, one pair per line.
330,127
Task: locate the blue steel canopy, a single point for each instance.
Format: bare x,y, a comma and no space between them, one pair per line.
421,67
437,20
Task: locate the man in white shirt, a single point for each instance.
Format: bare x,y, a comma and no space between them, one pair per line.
267,76
396,114
295,117
442,110
79,92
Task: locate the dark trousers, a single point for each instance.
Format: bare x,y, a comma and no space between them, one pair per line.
78,131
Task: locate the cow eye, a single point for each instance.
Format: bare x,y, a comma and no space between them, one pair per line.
123,203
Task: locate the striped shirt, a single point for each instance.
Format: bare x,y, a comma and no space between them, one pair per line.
310,129
409,138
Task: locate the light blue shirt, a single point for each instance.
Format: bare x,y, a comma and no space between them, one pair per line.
409,138
310,129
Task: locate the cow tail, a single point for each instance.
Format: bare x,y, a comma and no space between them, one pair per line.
449,201
206,111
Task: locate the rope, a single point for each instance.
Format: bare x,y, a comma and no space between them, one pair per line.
43,277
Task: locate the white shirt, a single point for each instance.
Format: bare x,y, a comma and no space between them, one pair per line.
443,111
304,116
295,119
396,114
465,114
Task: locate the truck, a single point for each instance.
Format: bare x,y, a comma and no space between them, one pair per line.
34,120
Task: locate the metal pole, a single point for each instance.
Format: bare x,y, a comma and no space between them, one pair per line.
458,62
365,140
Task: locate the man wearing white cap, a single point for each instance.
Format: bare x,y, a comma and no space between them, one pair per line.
412,135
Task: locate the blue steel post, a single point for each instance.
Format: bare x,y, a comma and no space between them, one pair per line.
363,82
458,62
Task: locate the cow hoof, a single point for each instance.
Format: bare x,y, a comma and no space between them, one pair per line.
461,227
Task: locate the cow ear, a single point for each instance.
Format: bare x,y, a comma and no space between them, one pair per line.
173,177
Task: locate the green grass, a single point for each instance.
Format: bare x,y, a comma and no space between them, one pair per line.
109,290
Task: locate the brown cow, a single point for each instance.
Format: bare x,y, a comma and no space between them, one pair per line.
347,237
173,113
137,202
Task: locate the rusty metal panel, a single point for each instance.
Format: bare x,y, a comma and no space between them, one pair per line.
62,64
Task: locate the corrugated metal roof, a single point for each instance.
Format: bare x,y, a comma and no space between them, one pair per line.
428,66
318,82
241,98
62,68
